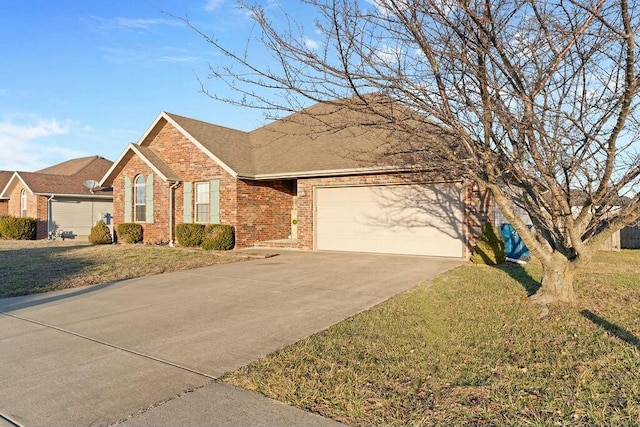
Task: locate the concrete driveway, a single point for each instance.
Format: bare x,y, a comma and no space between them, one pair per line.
117,352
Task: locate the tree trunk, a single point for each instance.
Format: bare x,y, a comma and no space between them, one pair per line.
557,281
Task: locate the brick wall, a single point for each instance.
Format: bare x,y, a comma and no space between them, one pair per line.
158,231
476,204
36,208
191,165
264,208
4,207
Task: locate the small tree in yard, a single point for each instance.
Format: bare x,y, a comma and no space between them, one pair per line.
540,98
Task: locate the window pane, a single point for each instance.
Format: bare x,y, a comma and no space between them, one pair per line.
202,192
140,213
202,213
139,199
140,195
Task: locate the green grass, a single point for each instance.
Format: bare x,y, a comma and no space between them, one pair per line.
41,266
470,350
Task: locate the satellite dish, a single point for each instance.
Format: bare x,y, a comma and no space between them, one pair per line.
91,184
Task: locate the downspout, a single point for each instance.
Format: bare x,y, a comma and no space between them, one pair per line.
49,216
171,211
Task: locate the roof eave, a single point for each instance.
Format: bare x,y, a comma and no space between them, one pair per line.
330,172
133,147
83,196
9,185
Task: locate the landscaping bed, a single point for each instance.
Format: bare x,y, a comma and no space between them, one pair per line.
470,349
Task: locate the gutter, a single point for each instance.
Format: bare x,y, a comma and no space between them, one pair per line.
330,172
171,211
49,216
82,196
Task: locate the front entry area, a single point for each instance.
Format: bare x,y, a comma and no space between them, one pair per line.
412,219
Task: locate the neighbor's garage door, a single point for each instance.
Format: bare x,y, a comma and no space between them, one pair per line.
421,219
77,216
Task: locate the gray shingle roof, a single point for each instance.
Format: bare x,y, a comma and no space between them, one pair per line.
324,137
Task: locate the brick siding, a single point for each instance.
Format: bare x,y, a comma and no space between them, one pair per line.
264,208
188,162
36,208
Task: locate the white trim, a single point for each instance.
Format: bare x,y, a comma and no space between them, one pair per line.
79,196
333,172
204,149
134,148
6,187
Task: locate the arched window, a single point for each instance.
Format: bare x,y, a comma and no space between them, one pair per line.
139,199
23,203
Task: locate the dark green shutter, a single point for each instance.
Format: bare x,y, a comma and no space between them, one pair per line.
128,202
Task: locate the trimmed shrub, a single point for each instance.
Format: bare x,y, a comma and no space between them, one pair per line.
489,249
189,235
13,228
218,237
100,234
130,232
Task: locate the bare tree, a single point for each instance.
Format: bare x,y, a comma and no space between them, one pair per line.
540,96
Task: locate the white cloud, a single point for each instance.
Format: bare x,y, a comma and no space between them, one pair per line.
389,55
177,59
311,44
28,145
212,5
122,22
141,23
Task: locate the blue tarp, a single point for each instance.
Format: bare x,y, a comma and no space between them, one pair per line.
514,247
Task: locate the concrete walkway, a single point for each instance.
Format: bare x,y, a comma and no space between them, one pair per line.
147,351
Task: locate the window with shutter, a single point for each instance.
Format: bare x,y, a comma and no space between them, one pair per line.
140,199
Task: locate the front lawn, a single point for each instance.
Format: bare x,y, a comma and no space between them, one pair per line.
39,266
470,350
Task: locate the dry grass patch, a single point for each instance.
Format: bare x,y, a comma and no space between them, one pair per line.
41,266
470,350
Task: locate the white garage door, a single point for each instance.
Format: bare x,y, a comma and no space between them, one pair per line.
77,216
423,219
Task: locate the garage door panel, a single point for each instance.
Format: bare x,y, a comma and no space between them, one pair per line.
77,216
402,219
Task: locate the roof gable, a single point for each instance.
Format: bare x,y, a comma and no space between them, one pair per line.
227,147
146,155
70,182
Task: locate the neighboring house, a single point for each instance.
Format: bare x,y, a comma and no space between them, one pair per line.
5,176
291,184
60,197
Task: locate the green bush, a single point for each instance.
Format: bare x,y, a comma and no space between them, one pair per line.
218,237
489,249
13,228
129,232
100,234
189,235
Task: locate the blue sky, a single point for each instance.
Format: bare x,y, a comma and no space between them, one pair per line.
80,78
